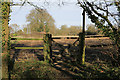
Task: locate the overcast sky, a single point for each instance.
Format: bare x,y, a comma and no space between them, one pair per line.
68,14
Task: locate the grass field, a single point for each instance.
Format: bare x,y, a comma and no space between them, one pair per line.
28,63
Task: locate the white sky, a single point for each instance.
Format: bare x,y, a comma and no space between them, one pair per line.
69,14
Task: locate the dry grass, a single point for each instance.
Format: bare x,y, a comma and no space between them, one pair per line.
97,55
29,42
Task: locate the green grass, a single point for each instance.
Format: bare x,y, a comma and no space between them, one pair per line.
33,69
5,65
44,71
28,47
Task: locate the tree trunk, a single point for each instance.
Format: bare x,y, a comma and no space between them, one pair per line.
5,29
5,9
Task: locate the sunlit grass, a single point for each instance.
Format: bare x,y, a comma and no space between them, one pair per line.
34,69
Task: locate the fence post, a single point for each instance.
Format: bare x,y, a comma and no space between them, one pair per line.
81,55
47,50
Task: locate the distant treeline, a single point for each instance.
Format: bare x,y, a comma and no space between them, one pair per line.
75,30
42,22
63,30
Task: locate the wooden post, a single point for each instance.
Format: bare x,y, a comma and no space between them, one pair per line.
81,55
47,47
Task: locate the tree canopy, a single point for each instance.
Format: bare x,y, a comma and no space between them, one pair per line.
72,30
40,20
91,29
14,28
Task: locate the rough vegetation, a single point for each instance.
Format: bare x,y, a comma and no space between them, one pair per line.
98,64
100,15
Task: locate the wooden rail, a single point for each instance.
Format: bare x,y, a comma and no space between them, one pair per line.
59,37
76,37
26,39
28,47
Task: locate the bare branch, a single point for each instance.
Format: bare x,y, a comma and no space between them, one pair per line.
36,7
104,17
112,15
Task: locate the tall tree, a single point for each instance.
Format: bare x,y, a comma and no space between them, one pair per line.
25,30
100,13
64,30
15,27
74,30
91,29
11,29
40,20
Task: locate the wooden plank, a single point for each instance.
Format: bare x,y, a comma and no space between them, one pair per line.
76,37
26,39
28,47
55,50
93,36
65,37
59,37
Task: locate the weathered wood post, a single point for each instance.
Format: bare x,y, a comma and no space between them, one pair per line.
47,47
81,55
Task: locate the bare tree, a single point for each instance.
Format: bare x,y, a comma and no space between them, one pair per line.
105,14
